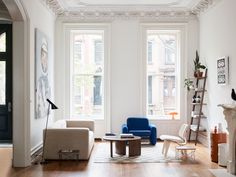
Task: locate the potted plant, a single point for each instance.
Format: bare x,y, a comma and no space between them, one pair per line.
189,84
198,66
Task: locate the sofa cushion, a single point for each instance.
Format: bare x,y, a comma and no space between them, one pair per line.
140,132
58,124
80,123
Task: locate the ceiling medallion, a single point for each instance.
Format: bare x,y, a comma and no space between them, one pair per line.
111,12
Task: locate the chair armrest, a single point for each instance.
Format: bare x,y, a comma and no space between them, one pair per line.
152,126
153,137
125,128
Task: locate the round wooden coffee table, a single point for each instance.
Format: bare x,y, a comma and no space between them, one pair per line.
120,144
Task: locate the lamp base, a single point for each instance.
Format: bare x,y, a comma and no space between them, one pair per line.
43,162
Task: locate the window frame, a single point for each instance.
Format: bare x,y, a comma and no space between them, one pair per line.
68,27
180,67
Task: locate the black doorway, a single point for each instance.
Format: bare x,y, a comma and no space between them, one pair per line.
6,83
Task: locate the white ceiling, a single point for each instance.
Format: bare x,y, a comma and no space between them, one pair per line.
73,5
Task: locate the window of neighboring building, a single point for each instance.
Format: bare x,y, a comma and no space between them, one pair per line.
87,92
98,51
97,92
150,45
77,51
161,72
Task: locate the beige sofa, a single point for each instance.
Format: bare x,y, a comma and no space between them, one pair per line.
69,135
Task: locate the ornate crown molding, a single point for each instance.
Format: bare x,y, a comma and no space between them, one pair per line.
126,12
109,14
203,5
54,6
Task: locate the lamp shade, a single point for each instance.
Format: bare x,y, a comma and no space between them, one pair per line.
53,106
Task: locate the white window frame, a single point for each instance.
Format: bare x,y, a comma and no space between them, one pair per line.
181,66
68,64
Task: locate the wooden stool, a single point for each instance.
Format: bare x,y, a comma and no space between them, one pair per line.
183,152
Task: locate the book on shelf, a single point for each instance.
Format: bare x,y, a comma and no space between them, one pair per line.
126,135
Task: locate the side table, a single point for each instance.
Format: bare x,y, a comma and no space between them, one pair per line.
216,138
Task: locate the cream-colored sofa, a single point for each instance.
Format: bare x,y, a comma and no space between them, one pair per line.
70,135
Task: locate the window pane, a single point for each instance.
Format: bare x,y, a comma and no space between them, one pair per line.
87,82
2,82
3,42
161,73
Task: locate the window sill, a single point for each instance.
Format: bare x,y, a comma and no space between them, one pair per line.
162,118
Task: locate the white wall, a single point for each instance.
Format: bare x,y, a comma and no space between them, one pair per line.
125,69
125,81
41,18
217,39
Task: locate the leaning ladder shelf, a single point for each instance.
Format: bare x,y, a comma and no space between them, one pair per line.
196,127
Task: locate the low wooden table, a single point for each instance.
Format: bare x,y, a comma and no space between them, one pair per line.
120,144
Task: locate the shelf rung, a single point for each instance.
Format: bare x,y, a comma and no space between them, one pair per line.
196,116
198,103
194,128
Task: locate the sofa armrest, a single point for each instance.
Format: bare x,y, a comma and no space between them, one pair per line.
68,139
80,123
125,128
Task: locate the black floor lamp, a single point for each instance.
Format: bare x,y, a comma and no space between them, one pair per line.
53,106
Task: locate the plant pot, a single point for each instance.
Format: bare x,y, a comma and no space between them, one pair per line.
198,74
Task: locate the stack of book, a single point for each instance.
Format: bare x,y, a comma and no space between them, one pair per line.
110,134
126,135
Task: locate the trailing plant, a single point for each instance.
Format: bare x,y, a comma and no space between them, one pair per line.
188,83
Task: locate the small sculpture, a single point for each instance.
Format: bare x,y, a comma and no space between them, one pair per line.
233,95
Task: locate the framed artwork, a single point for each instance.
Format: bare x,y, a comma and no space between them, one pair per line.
223,70
42,74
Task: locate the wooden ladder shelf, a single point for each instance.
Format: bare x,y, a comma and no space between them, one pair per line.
195,127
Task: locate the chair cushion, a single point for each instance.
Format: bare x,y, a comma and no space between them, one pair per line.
176,139
140,132
135,123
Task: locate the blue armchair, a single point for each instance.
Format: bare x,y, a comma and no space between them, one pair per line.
140,127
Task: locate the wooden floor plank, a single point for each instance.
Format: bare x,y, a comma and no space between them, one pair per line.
91,169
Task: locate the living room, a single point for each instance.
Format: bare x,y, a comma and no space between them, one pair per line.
124,29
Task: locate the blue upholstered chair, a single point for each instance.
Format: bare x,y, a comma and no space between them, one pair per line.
139,126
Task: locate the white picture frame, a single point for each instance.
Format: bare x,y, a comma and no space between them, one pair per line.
223,70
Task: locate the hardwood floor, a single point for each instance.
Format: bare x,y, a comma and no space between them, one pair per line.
91,169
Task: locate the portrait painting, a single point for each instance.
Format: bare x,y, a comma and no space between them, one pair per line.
42,74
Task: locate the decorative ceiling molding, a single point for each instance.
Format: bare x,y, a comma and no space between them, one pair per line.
126,12
203,5
54,6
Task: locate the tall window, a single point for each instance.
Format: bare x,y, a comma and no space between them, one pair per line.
161,72
87,63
